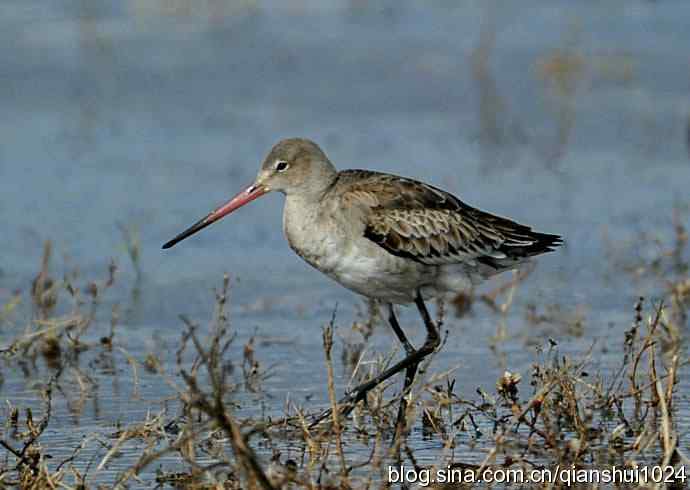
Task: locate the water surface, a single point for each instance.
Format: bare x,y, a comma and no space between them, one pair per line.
569,117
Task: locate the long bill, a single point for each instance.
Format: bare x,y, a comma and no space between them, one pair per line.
244,197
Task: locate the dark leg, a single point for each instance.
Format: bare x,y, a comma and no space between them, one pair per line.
411,370
409,349
412,360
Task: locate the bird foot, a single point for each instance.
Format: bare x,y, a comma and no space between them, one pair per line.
345,406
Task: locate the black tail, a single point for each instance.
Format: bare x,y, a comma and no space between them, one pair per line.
521,243
543,242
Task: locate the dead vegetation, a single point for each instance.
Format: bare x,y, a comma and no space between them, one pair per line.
564,412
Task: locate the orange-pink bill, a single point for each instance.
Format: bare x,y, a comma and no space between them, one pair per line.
247,195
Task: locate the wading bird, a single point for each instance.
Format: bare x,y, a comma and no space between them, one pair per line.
386,237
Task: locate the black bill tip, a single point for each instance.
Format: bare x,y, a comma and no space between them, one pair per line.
199,225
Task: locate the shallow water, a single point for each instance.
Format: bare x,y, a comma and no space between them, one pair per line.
147,116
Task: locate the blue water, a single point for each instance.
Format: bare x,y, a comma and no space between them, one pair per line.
149,114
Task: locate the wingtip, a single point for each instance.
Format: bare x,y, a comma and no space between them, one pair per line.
556,241
552,242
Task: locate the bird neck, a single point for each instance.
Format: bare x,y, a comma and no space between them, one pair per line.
315,186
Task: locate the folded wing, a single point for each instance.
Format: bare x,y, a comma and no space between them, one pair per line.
415,220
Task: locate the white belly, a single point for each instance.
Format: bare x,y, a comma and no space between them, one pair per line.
343,253
371,271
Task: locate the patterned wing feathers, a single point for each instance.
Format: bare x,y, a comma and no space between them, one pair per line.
414,220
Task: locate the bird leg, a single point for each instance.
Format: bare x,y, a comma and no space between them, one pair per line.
409,363
410,370
409,348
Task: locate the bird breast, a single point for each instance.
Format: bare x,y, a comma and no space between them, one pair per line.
331,238
314,233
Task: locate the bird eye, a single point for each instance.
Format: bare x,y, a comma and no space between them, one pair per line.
281,166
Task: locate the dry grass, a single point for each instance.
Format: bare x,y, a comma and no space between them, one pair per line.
561,413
